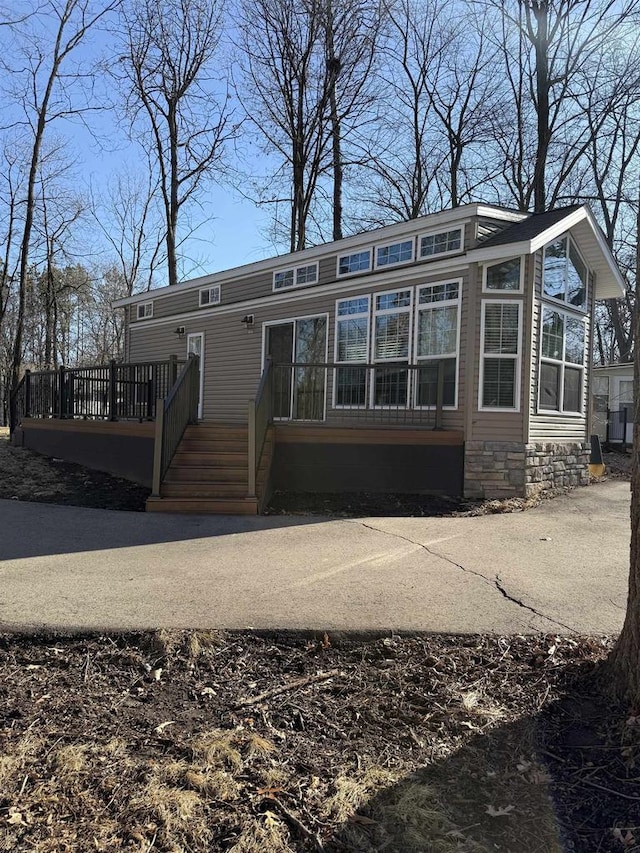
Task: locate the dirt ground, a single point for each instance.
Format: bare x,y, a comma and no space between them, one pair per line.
209,742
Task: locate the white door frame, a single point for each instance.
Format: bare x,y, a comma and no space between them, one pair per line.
190,337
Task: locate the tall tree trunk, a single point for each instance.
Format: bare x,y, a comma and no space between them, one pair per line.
541,13
172,219
333,72
624,662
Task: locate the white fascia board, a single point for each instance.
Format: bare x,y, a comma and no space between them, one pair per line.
504,250
411,227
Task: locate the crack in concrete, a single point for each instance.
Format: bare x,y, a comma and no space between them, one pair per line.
496,582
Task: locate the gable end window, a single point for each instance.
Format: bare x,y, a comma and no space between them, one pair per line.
565,275
144,310
295,277
505,276
561,383
440,243
210,296
395,253
500,355
357,262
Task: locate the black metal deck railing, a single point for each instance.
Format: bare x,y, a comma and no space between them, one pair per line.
381,394
104,392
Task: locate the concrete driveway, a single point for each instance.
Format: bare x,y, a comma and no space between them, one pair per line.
561,567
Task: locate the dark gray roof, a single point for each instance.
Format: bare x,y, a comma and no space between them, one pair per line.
529,228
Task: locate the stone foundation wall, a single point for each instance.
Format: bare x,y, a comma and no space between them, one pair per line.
500,469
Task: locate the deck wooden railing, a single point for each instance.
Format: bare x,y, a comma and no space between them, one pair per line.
110,392
259,418
173,414
381,394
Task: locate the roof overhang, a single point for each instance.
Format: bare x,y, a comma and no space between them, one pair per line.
581,222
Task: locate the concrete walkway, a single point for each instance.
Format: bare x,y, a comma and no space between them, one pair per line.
560,567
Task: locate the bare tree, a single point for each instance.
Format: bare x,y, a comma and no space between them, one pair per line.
43,90
126,216
553,38
169,63
305,68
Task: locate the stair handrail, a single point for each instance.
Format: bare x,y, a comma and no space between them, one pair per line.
173,413
260,417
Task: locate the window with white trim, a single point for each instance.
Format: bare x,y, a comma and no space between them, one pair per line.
354,263
506,275
351,350
210,296
440,243
295,277
145,310
394,253
565,274
436,340
391,343
561,383
500,354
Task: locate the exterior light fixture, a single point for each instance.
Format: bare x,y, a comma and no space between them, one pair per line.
247,320
179,332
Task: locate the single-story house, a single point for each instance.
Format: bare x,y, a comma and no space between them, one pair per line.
447,354
612,403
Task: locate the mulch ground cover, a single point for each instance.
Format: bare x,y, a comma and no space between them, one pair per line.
245,743
257,744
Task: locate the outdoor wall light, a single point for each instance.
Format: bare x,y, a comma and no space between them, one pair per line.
247,320
179,332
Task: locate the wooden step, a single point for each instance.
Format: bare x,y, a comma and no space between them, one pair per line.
213,431
207,474
204,506
187,459
216,445
203,490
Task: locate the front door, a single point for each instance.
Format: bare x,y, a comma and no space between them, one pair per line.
299,392
195,345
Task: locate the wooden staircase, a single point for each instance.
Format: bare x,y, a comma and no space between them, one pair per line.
208,473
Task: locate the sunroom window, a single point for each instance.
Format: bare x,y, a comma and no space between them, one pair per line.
391,344
562,362
396,253
441,243
356,262
437,341
500,352
565,275
352,349
503,276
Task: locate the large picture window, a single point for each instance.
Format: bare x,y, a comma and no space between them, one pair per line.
352,351
500,354
391,340
561,384
437,325
565,275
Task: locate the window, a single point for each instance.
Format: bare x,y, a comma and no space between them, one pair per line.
565,275
391,344
145,310
295,277
210,296
601,394
500,355
352,345
396,253
562,362
358,262
504,276
436,341
441,243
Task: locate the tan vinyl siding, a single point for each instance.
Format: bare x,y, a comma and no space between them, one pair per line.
233,353
556,427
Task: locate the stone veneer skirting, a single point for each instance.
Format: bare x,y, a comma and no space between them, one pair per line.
499,469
